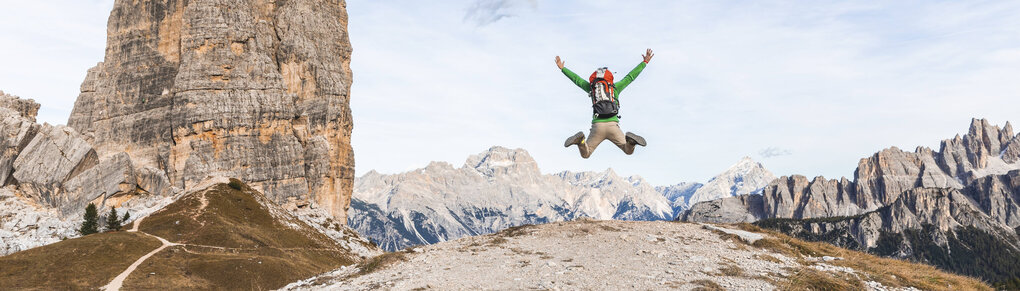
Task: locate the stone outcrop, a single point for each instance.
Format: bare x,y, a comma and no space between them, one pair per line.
26,108
15,133
256,90
879,180
53,165
56,154
1012,152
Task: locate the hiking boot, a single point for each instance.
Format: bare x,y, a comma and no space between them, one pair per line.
577,138
635,139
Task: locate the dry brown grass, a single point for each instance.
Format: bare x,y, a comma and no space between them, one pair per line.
731,270
497,240
75,264
381,262
889,272
516,230
707,285
768,258
246,248
807,278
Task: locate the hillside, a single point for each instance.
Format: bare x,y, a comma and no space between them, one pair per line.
623,255
224,236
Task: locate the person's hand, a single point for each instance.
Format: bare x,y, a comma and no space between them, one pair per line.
559,63
647,56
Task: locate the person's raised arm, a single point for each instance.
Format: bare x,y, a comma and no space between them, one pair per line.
645,58
580,82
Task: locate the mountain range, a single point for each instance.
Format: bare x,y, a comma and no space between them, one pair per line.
503,187
957,208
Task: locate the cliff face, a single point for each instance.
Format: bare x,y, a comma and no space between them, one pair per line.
879,180
251,89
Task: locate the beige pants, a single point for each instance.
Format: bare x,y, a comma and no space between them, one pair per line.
603,131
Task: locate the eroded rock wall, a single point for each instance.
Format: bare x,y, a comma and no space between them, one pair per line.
880,179
256,90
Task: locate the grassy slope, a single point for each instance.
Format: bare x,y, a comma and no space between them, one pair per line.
261,252
74,264
256,250
889,272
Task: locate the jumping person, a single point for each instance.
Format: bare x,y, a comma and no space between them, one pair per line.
605,97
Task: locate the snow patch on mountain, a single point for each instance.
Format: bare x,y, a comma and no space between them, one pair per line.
745,177
503,187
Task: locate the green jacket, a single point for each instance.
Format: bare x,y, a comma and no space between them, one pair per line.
620,85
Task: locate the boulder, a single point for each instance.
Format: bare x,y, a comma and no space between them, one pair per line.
15,133
56,154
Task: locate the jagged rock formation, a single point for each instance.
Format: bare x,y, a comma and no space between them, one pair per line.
878,181
26,108
501,188
972,231
988,204
946,207
54,166
251,89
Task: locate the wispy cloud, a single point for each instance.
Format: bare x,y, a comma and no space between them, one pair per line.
774,152
485,12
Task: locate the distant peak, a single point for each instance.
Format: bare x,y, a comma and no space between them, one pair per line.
609,172
500,157
744,163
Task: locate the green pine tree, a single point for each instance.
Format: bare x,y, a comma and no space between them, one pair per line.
91,223
113,220
127,215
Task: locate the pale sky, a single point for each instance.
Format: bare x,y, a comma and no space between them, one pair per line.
805,87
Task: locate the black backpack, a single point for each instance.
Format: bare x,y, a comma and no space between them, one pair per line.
603,95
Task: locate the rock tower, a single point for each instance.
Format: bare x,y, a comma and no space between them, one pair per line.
253,89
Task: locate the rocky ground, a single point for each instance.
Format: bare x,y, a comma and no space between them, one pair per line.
614,255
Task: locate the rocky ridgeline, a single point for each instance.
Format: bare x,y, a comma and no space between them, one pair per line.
500,188
256,90
957,208
879,181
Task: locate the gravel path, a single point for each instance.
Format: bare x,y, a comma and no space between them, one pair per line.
584,254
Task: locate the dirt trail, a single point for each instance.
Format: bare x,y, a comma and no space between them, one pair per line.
134,225
119,280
